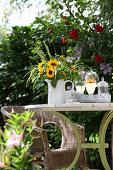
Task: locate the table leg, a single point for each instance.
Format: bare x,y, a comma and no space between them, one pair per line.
102,132
112,141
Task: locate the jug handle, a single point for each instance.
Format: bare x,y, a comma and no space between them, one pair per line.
71,82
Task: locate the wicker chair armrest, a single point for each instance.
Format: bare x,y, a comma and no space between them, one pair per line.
45,140
81,131
48,157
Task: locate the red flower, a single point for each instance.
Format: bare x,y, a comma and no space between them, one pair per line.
98,59
67,23
49,30
74,34
99,28
64,17
64,40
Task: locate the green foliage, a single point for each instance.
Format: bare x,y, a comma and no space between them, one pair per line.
17,141
54,135
17,54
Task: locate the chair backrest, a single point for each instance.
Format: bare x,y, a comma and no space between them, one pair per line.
68,135
6,110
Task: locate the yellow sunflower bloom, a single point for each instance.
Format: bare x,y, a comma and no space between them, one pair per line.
40,71
74,70
50,72
40,64
90,81
52,63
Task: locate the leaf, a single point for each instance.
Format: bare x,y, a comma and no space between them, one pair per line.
48,1
3,143
24,150
47,49
60,6
11,121
35,137
15,158
54,83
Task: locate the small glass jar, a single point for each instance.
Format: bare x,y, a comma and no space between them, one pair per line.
103,87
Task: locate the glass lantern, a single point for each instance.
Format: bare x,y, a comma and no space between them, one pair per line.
91,79
103,87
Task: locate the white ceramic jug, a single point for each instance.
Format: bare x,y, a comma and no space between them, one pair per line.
57,95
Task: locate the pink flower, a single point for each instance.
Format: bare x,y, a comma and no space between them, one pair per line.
1,164
99,28
30,120
14,139
64,40
21,120
74,34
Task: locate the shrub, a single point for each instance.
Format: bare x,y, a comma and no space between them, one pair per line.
16,141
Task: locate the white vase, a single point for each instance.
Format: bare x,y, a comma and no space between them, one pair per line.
57,95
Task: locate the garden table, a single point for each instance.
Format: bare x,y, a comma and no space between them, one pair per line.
84,107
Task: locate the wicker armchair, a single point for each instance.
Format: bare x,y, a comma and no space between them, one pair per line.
57,158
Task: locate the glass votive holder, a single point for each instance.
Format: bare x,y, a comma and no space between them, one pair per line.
69,97
80,86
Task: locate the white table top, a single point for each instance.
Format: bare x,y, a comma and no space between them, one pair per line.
73,107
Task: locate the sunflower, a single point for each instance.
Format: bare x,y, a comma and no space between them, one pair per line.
40,71
40,64
90,81
52,63
74,70
50,72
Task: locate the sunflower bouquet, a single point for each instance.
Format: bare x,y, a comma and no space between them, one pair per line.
55,68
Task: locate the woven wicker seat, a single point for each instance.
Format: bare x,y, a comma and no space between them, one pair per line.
57,158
